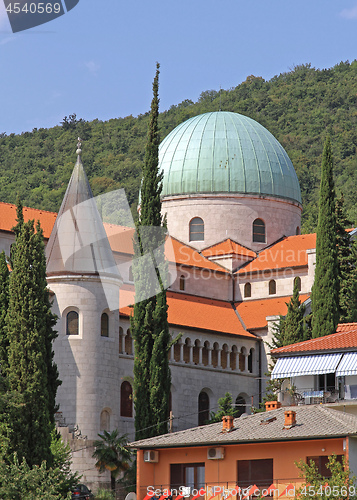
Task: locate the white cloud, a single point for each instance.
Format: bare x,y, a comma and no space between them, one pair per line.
92,67
349,13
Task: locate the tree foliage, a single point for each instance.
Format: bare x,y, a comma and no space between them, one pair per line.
225,408
31,375
347,265
152,378
340,484
4,304
111,454
19,481
325,290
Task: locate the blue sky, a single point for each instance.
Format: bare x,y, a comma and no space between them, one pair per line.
98,60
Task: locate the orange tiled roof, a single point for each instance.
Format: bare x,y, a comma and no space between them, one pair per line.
344,338
184,254
254,312
8,218
120,238
194,312
228,247
289,252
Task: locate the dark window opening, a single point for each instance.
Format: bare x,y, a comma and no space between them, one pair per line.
250,361
72,323
240,406
327,382
126,400
259,231
203,408
272,287
191,475
104,325
197,229
182,282
258,472
321,463
247,290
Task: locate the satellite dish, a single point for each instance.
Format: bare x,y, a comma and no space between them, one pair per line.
131,496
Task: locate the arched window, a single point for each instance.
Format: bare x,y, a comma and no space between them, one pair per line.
126,400
128,343
121,341
298,230
272,287
72,323
131,277
203,408
259,231
105,420
240,406
197,229
104,325
250,361
247,290
182,282
297,281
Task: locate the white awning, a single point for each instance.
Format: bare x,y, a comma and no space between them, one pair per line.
348,365
295,366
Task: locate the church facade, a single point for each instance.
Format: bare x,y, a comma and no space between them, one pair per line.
233,206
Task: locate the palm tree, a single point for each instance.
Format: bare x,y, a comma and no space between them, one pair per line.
111,454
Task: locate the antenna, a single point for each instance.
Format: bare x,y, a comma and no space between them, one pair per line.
220,99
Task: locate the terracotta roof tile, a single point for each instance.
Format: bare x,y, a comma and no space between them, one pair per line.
193,312
289,252
344,338
8,218
228,247
183,254
254,312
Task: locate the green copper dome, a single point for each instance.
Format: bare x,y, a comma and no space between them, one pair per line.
225,152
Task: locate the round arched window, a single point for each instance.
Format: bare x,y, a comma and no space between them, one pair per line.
258,231
126,400
72,323
203,408
197,229
104,325
247,290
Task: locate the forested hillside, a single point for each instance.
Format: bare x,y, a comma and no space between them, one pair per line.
299,108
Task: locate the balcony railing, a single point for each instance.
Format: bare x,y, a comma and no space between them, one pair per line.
279,489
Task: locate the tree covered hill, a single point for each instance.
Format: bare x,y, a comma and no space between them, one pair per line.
298,107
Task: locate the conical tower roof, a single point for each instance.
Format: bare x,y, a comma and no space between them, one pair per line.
78,243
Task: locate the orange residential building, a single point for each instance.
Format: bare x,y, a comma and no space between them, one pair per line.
246,456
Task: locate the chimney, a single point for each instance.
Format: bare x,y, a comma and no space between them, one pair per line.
227,423
290,419
272,405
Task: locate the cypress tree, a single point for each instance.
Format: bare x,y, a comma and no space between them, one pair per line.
149,325
325,291
294,319
347,265
4,304
50,320
29,329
